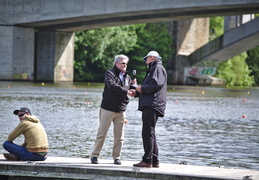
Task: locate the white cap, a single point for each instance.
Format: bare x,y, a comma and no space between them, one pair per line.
152,53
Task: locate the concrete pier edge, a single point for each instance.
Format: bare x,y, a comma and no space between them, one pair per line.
81,168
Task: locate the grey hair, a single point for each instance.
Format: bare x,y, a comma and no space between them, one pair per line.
120,57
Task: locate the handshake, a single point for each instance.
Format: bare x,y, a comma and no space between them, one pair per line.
132,92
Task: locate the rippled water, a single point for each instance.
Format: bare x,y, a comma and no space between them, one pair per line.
202,125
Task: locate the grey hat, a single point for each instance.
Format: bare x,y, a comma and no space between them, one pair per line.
23,109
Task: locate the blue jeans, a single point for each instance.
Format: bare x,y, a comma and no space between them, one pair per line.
21,152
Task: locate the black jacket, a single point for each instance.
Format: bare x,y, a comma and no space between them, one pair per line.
153,88
115,91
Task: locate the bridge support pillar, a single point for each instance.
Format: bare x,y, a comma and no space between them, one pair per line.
54,56
16,53
190,35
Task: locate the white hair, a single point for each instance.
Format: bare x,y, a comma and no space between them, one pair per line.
120,57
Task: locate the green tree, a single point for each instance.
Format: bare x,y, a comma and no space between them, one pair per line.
216,27
235,71
253,63
95,50
152,36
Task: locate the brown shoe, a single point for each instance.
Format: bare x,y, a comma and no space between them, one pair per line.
10,157
155,165
142,164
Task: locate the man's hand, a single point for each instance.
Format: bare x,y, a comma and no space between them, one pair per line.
131,92
138,89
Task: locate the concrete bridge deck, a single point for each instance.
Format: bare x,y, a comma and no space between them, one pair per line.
37,37
81,168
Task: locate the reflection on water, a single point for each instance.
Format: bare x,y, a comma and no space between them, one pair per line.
202,125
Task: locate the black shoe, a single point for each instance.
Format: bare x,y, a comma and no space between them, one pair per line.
94,160
155,165
117,161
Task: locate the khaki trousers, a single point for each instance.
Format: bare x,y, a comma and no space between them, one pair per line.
105,118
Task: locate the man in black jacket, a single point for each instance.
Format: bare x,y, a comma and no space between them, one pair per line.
152,103
113,106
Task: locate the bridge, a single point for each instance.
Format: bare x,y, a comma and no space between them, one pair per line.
37,37
230,44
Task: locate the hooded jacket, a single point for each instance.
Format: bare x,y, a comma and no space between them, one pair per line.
115,91
33,131
153,88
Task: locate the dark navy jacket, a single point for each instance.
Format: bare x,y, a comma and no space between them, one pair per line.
153,88
115,91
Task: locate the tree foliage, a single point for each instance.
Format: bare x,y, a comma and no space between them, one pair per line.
95,49
241,70
151,37
216,27
253,63
235,71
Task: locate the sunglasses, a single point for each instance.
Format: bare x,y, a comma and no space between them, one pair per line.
124,63
21,115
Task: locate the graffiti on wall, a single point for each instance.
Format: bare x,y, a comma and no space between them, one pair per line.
23,76
197,75
197,71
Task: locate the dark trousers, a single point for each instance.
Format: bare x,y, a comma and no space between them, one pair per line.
149,119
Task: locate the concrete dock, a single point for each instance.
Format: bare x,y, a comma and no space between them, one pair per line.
81,168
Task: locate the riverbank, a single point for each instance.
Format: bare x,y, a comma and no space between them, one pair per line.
81,168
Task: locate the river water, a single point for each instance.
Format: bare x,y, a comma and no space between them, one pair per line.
206,126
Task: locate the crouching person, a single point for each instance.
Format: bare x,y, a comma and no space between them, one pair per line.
35,146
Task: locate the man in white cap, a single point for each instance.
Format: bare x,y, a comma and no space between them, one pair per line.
152,103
